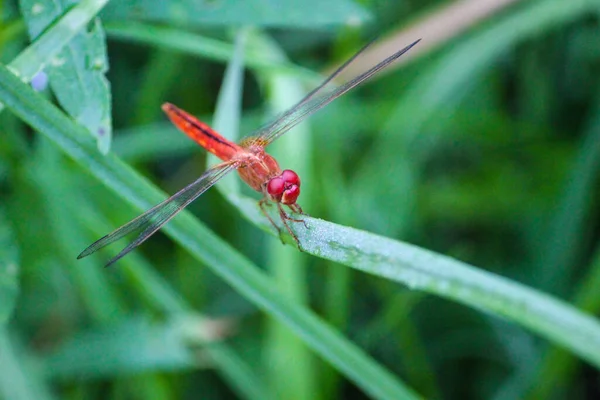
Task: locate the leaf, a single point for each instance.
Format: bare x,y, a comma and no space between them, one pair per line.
9,270
272,13
40,52
77,72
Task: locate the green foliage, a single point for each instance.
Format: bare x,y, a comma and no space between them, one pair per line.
484,149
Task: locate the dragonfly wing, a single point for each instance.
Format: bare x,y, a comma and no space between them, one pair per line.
320,97
153,219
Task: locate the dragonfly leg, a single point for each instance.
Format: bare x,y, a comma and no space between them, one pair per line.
262,204
297,209
285,218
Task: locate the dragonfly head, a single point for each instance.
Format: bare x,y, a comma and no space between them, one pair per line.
284,188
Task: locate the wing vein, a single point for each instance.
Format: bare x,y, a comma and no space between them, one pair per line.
153,219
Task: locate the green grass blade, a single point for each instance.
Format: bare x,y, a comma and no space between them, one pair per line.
563,246
425,270
193,236
292,13
229,108
200,46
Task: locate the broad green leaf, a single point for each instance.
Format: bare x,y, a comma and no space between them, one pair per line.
273,13
46,46
77,73
9,270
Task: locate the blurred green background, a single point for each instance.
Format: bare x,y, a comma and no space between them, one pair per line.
482,144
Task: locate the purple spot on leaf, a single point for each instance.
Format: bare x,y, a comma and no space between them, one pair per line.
101,132
39,81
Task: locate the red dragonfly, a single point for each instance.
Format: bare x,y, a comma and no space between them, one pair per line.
257,168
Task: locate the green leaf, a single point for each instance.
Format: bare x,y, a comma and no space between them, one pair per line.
9,270
47,45
76,72
272,13
201,243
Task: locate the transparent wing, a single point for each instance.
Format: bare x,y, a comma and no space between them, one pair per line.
319,98
153,219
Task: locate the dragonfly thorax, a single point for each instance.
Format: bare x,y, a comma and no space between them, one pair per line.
262,173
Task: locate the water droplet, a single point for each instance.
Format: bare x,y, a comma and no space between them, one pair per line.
57,61
37,9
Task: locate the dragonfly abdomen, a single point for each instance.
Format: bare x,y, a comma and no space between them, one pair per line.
201,133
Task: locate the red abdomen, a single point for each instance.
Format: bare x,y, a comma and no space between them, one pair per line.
201,133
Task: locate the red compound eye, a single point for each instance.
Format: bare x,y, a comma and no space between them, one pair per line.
276,186
290,195
290,177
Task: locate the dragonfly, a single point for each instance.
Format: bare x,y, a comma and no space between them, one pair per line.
254,166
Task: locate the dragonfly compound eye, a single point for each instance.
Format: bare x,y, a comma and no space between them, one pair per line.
275,187
290,177
290,194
